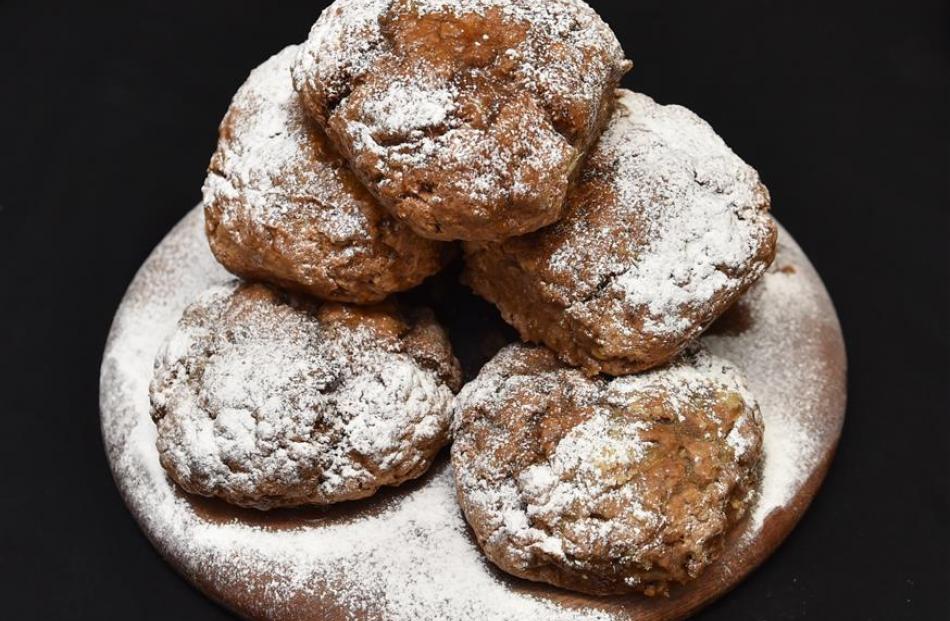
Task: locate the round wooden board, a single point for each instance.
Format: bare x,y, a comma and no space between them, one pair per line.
292,565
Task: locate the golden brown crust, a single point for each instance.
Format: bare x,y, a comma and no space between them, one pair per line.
605,486
665,229
468,120
281,205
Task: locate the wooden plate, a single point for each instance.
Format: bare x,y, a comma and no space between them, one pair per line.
407,553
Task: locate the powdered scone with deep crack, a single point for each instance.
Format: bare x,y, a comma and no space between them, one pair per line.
282,207
602,485
266,400
466,118
664,230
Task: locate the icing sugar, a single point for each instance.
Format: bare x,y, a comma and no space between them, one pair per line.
269,161
789,393
695,215
409,109
414,559
258,398
556,506
282,206
346,40
482,133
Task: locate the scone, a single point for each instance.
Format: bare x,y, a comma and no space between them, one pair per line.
600,485
466,118
664,230
282,207
265,400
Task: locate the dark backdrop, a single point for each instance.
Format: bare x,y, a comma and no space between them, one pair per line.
108,117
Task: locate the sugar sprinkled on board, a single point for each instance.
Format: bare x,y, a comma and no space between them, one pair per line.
414,559
783,308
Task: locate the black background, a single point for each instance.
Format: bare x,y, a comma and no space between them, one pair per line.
108,116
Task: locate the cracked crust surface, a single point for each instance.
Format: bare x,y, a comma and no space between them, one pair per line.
266,400
466,119
663,232
281,206
603,485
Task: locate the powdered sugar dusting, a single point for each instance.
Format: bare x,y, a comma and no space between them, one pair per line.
268,163
421,112
386,564
462,116
270,405
414,559
786,312
565,503
282,206
570,23
408,109
695,216
347,39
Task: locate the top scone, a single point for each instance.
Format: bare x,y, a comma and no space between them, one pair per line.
466,118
